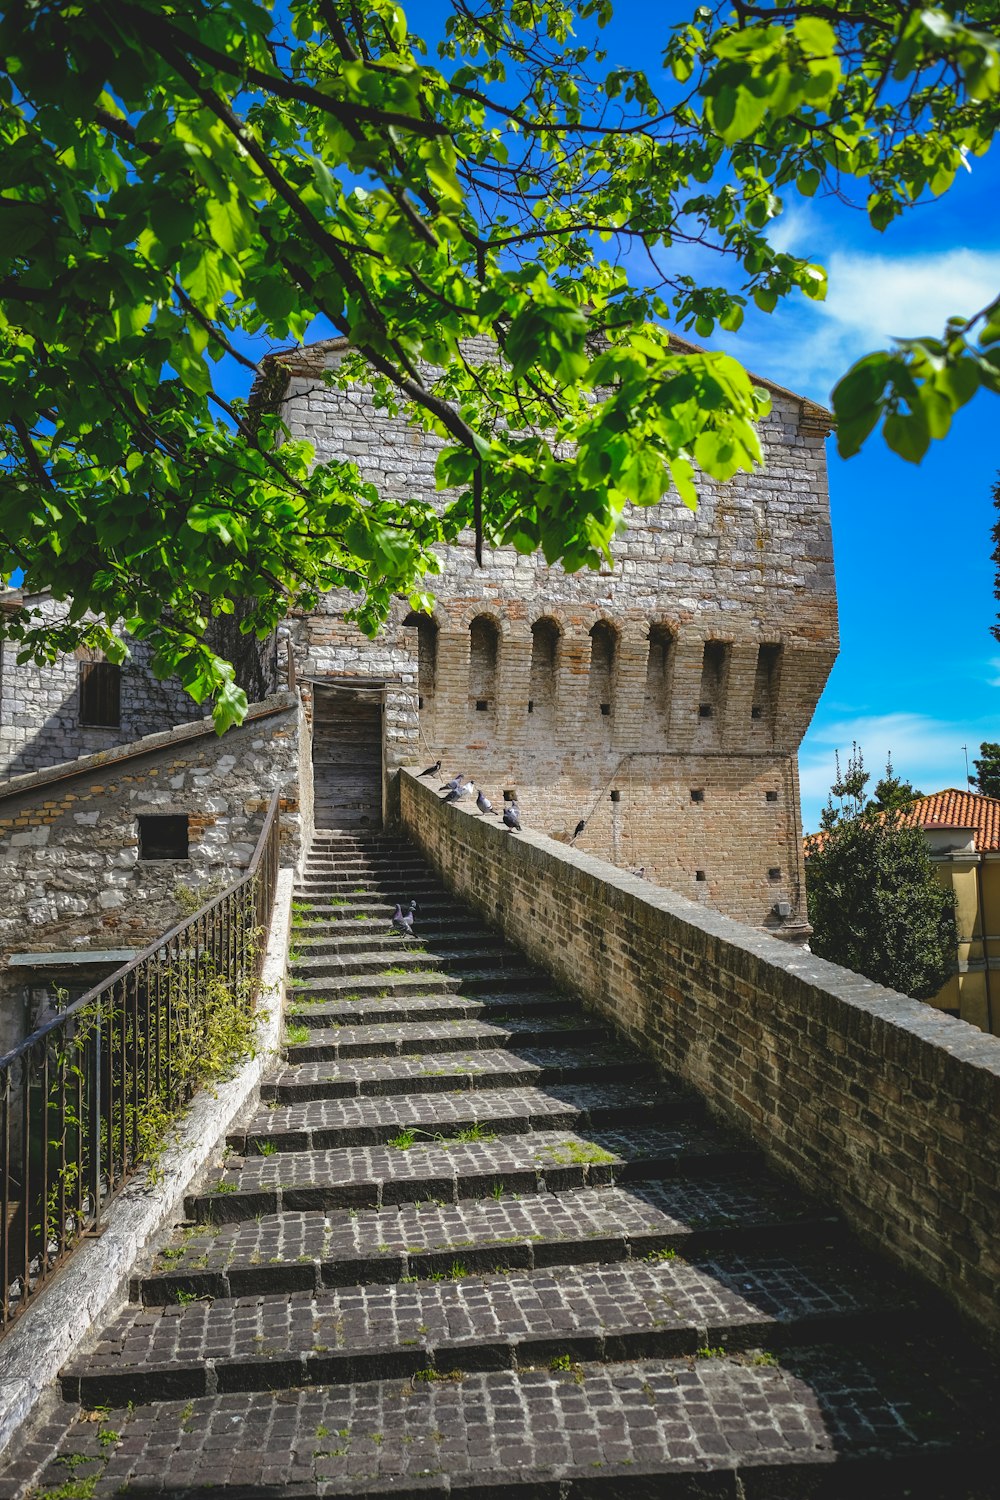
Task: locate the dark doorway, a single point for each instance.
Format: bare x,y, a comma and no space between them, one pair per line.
347,756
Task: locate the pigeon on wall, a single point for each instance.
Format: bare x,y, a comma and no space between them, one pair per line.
460,792
512,817
483,802
453,784
432,770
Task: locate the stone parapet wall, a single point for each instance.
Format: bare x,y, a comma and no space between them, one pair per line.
877,1103
71,876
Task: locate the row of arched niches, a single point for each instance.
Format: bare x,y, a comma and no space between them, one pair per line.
487,678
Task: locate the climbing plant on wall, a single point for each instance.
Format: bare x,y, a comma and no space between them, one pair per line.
177,181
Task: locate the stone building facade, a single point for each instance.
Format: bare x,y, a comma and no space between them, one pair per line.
661,700
103,854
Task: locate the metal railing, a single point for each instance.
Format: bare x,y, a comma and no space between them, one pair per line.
86,1099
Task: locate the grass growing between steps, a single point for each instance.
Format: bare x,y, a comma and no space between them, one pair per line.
471,1135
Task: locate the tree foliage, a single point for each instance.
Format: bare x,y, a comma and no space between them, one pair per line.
875,902
178,179
987,777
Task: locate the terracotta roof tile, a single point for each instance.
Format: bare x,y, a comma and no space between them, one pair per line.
948,809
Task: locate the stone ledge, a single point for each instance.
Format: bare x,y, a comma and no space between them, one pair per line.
17,786
89,1289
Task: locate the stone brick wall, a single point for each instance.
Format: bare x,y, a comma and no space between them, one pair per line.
40,706
71,878
875,1102
731,609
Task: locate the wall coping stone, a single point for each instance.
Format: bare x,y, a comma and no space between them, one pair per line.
16,786
94,1283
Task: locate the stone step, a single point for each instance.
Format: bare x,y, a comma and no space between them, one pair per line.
310,938
826,1422
540,1161
413,884
432,1073
310,1251
332,1043
497,958
381,1120
468,982
638,1310
345,909
356,1009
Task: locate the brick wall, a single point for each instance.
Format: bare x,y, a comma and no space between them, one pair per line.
877,1103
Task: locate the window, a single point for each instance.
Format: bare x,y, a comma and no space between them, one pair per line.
603,663
484,652
163,837
100,694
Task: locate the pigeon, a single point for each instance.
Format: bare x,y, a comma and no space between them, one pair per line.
432,770
402,921
579,829
453,784
458,793
512,817
483,802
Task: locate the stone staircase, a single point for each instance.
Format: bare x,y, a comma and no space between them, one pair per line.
471,1244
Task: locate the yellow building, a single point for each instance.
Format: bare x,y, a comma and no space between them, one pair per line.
963,832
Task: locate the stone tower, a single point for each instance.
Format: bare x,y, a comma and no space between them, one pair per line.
661,701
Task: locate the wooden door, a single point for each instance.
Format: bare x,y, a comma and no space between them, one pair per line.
347,757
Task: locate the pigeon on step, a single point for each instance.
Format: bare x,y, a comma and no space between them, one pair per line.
512,817
402,921
432,770
483,802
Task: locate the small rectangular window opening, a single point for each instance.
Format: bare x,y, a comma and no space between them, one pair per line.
163,837
531,706
616,795
704,710
774,873
482,705
771,796
605,709
100,694
420,701
697,794
699,874
756,712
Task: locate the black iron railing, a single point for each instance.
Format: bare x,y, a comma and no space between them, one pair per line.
88,1098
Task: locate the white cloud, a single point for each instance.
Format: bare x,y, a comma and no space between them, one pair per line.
927,752
871,299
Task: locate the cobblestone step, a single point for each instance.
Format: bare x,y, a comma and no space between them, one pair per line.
823,1422
376,933
433,1073
310,1251
354,1008
643,1310
541,1161
351,909
377,1121
482,957
388,1039
469,981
